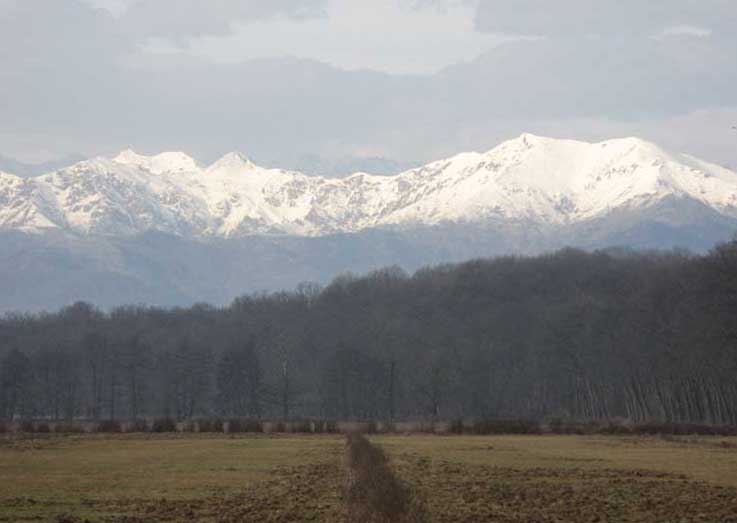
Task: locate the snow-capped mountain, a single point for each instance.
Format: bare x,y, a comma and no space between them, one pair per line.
165,230
530,180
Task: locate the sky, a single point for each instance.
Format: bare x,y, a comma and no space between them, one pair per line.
405,80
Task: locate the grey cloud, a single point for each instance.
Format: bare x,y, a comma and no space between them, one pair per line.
585,17
182,19
76,81
59,60
52,33
631,77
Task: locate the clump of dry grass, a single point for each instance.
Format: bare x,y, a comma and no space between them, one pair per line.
373,494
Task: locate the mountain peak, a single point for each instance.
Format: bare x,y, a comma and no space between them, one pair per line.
527,141
166,162
531,138
232,162
529,179
129,156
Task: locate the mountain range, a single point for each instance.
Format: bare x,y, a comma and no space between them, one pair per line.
166,230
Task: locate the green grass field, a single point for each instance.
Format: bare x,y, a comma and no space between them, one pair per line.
221,478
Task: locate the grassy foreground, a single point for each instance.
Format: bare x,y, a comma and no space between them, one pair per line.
151,478
571,478
221,478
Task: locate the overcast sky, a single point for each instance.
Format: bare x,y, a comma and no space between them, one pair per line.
408,80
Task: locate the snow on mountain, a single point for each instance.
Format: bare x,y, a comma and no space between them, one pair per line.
164,163
25,205
529,179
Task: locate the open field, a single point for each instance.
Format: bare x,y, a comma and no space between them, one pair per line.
571,478
140,478
221,478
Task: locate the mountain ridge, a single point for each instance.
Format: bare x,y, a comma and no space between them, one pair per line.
527,180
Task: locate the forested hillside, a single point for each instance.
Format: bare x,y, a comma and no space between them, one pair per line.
646,336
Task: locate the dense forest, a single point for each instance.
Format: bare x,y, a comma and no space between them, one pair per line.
643,336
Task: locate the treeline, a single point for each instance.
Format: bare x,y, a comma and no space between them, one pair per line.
570,335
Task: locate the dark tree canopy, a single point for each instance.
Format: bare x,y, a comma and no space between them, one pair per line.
646,336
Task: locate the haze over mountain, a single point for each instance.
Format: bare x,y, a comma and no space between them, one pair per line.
165,230
23,169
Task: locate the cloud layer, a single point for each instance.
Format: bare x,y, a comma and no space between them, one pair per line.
191,18
160,74
587,17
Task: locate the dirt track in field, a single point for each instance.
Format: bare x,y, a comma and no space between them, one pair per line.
393,479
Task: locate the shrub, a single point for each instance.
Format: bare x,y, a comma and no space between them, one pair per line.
456,426
502,426
245,425
109,427
68,427
27,426
138,425
43,428
210,425
567,426
613,428
253,425
683,429
559,426
505,426
278,427
302,427
164,425
187,426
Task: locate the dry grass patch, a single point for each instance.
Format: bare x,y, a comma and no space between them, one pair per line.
710,459
104,477
569,479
